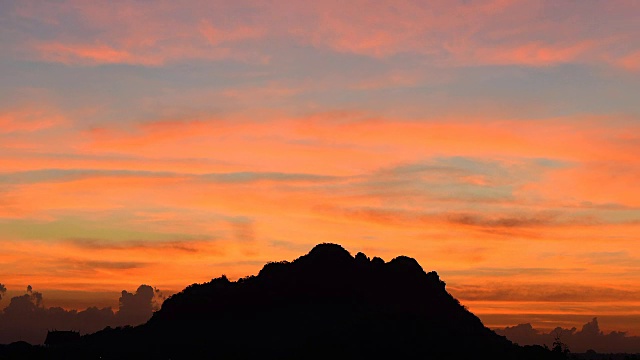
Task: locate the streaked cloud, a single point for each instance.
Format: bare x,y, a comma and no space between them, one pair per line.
65,175
544,292
465,33
494,141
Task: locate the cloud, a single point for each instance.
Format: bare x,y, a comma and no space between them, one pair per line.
477,126
446,33
110,265
630,62
136,308
215,35
497,222
102,244
467,33
508,272
117,37
243,230
30,120
332,141
114,264
34,296
249,177
469,184
90,54
26,318
590,337
536,220
75,227
612,258
292,246
536,53
533,291
69,175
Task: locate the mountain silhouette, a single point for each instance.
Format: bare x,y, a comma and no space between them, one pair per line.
325,304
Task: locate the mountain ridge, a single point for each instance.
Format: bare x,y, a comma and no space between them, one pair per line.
326,303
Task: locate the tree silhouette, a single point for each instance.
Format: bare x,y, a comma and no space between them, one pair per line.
559,347
3,290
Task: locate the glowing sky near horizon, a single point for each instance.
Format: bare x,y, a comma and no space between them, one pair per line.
167,143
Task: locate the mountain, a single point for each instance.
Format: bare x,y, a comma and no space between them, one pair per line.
325,304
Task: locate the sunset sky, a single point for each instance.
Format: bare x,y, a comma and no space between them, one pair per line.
167,143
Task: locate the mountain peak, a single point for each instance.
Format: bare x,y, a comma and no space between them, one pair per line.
329,251
406,264
323,304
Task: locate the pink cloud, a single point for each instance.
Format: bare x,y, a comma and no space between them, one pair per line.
533,54
29,120
135,33
630,62
216,35
90,54
461,34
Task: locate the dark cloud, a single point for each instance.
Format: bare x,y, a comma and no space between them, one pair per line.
27,319
524,220
243,230
239,263
590,337
115,265
34,296
136,308
496,223
542,292
525,223
62,266
515,271
619,258
419,168
459,178
385,216
533,220
292,246
246,177
187,245
64,175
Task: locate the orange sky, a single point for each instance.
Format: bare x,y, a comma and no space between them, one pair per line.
494,141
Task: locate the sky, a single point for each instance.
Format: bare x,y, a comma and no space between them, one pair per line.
169,142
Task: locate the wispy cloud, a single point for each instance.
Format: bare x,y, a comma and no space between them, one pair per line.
493,140
462,33
542,292
65,175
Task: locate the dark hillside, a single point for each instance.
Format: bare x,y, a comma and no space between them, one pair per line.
325,304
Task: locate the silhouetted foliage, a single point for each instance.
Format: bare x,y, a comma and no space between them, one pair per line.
61,338
3,290
559,348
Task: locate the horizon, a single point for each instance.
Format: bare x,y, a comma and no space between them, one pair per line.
81,300
135,308
587,336
157,143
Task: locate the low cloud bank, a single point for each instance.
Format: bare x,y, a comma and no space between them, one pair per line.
590,337
27,319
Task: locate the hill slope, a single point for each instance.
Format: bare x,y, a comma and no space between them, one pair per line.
323,304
